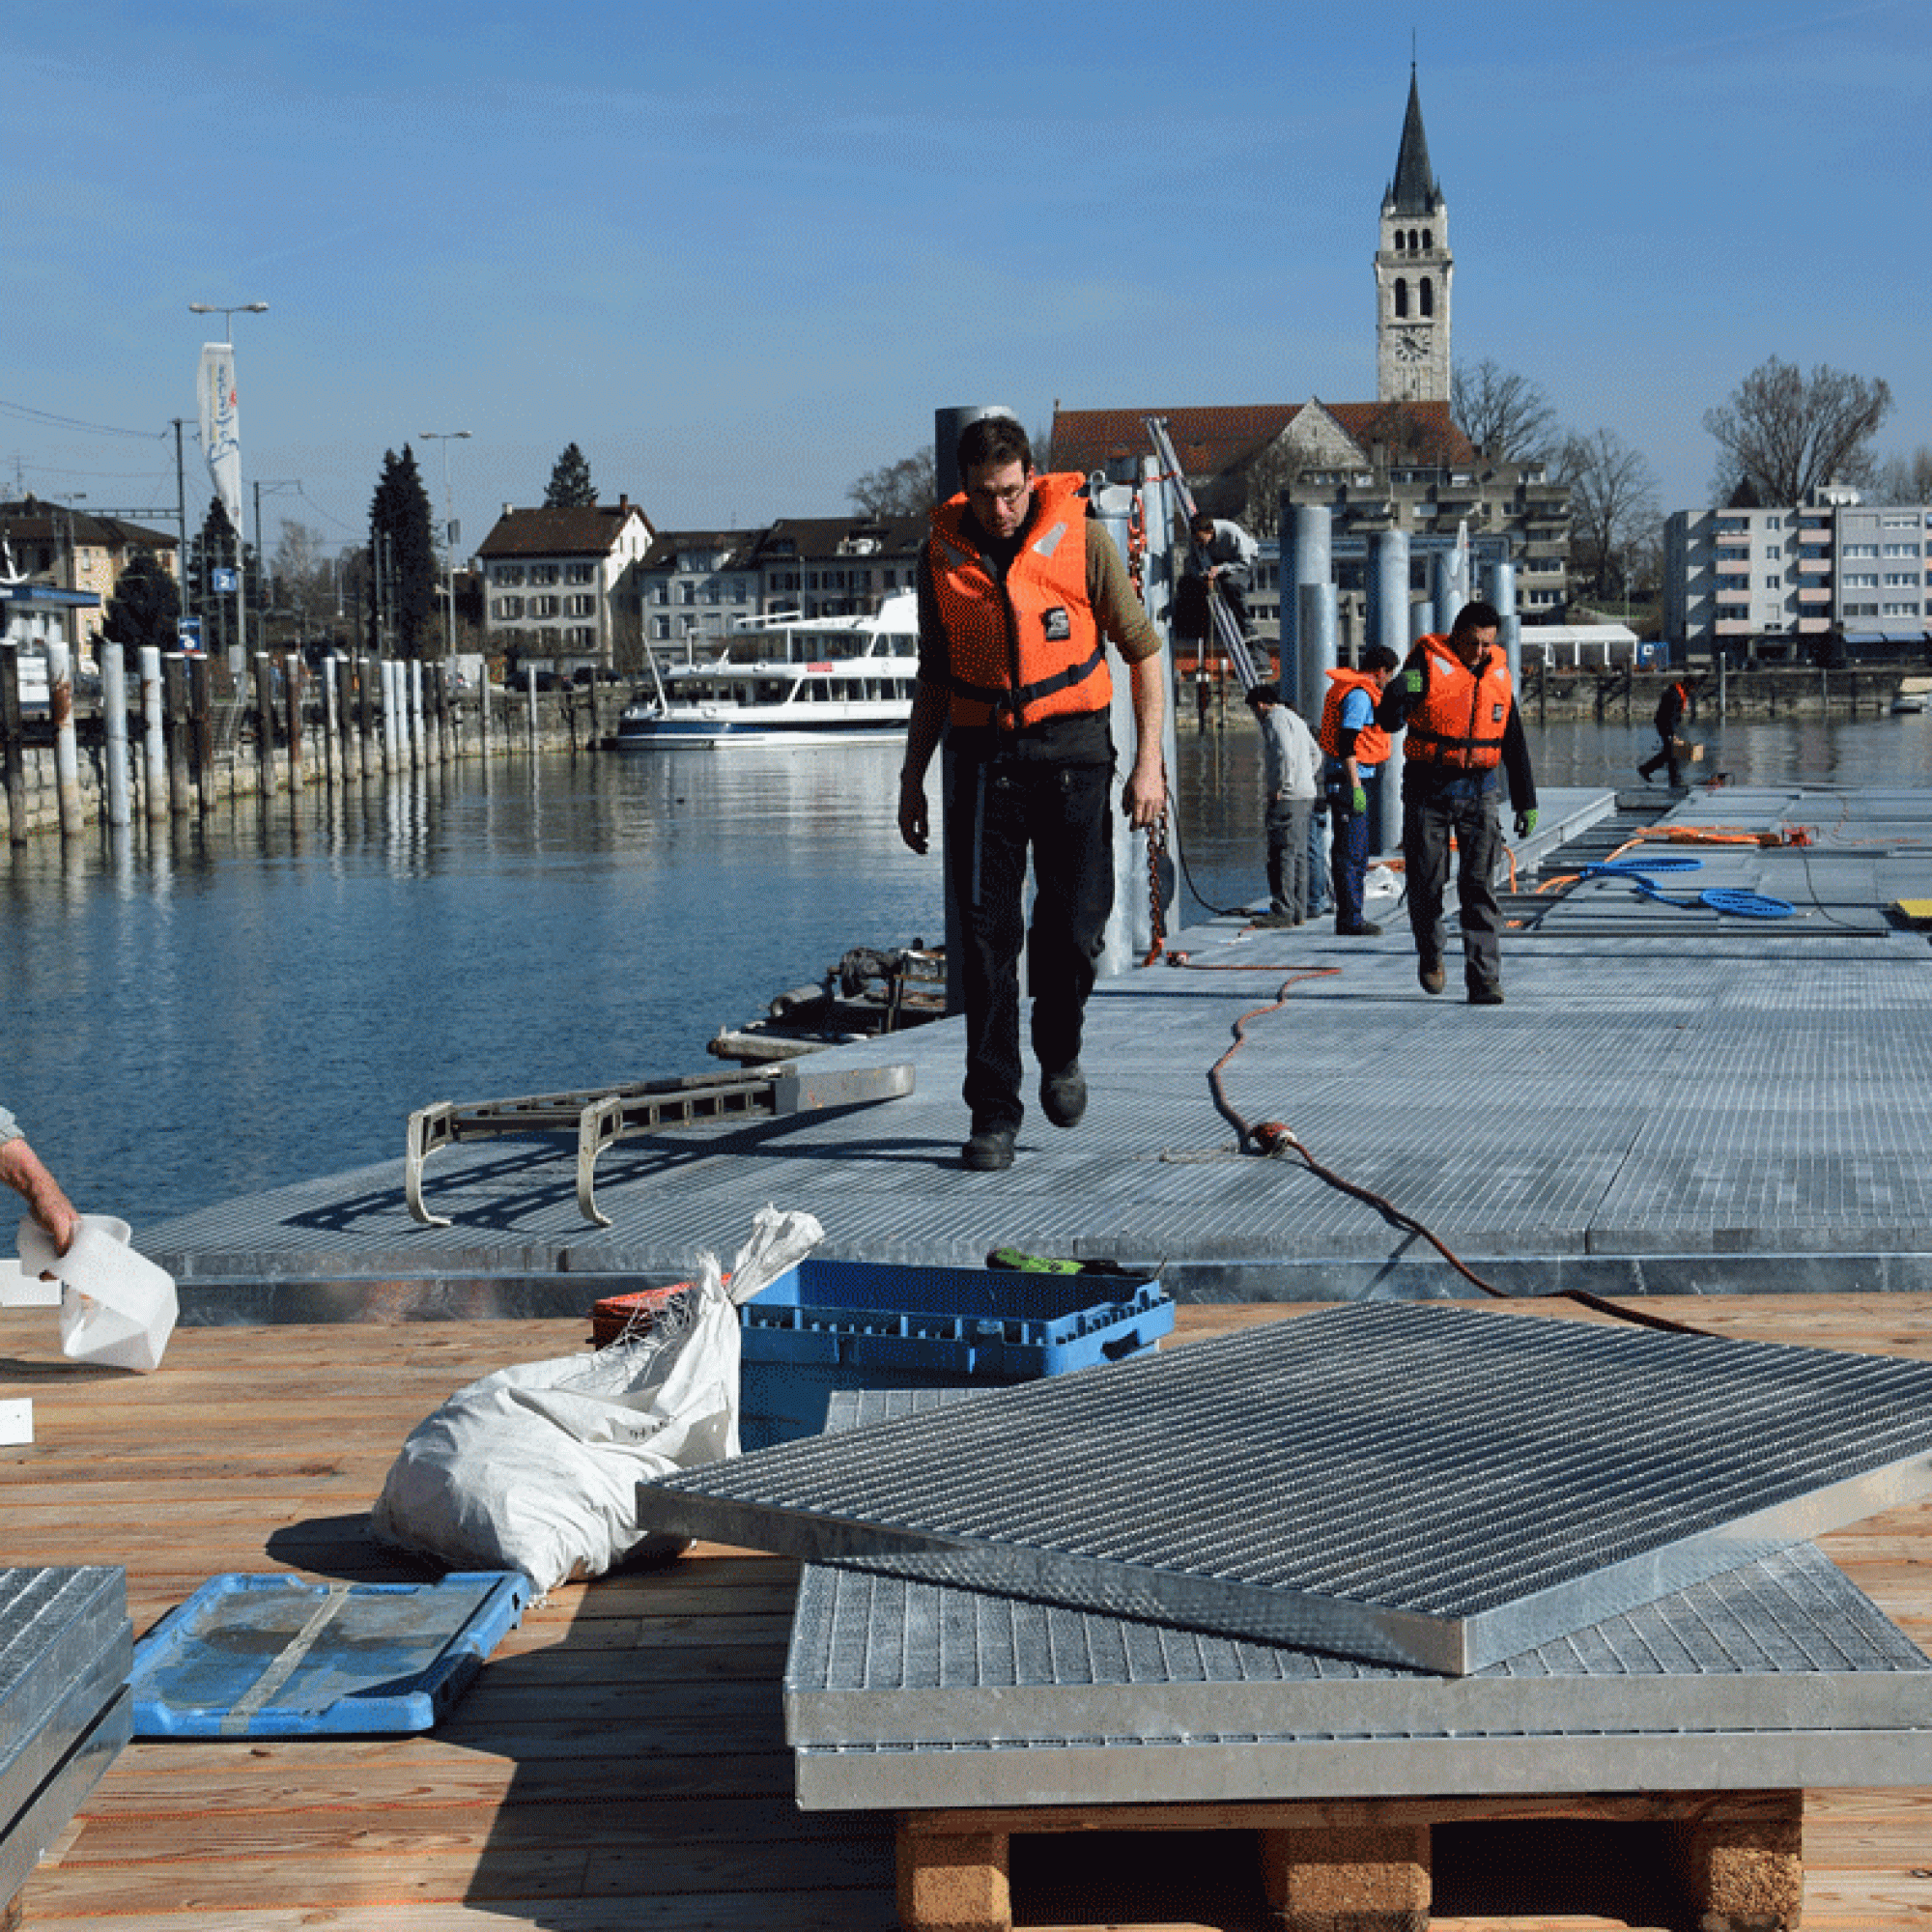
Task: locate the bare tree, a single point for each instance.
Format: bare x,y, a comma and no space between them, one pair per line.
1786,432
1905,479
901,489
1613,506
1505,416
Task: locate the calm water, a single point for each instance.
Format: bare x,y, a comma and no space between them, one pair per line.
224,1009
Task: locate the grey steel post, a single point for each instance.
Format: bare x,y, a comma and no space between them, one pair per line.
114,725
1308,639
392,717
154,736
175,728
366,693
11,751
295,682
67,753
1502,594
1130,935
1388,623
265,723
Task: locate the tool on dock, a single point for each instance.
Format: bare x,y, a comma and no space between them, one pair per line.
1227,630
604,1115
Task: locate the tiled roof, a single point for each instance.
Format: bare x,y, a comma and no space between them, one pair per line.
591,532
737,549
826,539
1214,441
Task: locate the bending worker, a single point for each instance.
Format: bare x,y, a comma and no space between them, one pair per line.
1455,697
1357,749
1017,589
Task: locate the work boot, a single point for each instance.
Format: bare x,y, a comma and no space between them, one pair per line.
1485,994
991,1150
1431,976
1063,1096
1368,929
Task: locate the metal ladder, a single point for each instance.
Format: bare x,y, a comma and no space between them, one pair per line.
605,1116
1227,632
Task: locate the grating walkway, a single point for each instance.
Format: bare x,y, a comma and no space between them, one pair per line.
1675,1099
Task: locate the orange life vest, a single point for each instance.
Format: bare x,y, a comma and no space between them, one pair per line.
1036,651
1460,721
1371,742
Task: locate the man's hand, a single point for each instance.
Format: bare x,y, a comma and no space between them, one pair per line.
1525,822
1358,802
20,1167
913,827
1145,799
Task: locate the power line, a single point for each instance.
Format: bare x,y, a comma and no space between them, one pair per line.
29,414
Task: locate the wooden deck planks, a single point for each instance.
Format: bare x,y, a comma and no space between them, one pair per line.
621,1761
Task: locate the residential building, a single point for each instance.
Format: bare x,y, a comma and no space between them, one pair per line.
559,585
697,584
66,549
834,566
1832,574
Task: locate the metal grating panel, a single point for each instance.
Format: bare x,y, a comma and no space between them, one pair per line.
1785,1644
1425,1485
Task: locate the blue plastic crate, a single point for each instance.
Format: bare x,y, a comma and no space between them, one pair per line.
282,1657
826,1325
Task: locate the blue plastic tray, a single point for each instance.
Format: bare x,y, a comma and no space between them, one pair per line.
281,1657
825,1327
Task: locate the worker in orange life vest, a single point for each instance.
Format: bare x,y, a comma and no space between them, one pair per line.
1455,697
1669,715
1356,748
1017,588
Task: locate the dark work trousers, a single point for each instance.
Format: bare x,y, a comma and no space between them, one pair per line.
1434,813
1348,858
1666,755
999,812
1288,855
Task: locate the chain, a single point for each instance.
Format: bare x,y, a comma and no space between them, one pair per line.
1156,847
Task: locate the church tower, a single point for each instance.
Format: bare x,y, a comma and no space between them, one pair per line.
1413,267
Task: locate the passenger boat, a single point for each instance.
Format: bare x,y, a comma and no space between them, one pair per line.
786,680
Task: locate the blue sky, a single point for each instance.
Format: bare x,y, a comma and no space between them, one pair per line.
740,253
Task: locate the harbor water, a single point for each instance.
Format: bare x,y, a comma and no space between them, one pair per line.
228,1005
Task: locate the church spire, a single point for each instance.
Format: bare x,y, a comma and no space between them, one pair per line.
1413,191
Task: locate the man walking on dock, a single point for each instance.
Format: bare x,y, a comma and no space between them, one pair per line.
1456,698
1017,589
1670,707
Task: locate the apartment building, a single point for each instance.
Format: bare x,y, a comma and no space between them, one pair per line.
558,584
1831,573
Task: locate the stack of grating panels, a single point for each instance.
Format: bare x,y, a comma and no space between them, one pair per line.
1777,1675
1410,1484
65,1645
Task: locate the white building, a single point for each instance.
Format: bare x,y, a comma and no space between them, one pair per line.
558,584
1798,583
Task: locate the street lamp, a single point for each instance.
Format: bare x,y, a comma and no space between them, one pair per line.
446,436
228,311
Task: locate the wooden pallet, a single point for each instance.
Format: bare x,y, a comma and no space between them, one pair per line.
1364,1864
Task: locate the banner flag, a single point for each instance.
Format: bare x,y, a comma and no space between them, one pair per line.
222,426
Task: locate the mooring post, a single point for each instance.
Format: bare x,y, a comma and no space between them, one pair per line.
265,723
199,674
12,752
530,692
295,683
66,757
154,741
174,728
114,725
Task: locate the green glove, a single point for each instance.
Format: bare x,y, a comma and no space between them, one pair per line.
1358,801
1525,822
1412,682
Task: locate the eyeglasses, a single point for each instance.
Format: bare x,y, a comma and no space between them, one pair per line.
1008,500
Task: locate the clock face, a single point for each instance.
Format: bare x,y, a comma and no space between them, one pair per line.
1409,347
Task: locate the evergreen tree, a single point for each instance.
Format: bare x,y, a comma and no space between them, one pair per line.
145,608
212,548
570,484
401,587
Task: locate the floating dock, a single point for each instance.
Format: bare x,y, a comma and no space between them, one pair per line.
1677,1099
